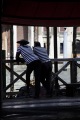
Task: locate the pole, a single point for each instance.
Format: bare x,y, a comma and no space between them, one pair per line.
55,56
65,45
1,61
11,56
47,40
74,67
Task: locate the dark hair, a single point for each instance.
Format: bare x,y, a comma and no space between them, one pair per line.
37,44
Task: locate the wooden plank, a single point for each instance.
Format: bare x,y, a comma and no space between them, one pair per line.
18,77
71,89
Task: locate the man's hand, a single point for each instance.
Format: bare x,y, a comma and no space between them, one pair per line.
18,60
22,60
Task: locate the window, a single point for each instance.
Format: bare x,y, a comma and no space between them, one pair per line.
61,48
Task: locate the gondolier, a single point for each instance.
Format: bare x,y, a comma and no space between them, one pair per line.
33,63
46,66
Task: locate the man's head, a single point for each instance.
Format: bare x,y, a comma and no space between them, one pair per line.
37,44
23,42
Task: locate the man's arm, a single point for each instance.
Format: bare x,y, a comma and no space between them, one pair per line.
17,57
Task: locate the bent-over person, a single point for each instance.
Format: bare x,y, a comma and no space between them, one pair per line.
46,67
33,64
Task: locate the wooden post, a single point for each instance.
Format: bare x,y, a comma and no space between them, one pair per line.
1,8
73,72
47,40
65,45
11,55
74,42
55,56
73,66
3,74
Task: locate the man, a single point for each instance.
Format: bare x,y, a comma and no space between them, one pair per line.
33,63
46,66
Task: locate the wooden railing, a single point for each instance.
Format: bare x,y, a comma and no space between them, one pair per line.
73,62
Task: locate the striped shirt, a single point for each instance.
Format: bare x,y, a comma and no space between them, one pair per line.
27,54
41,52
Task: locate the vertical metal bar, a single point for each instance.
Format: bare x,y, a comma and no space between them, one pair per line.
55,56
47,40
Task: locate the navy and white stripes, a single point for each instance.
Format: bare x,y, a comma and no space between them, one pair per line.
27,54
41,52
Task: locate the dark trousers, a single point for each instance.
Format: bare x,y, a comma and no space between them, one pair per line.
46,71
34,66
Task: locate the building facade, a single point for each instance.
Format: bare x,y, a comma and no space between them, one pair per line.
37,33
